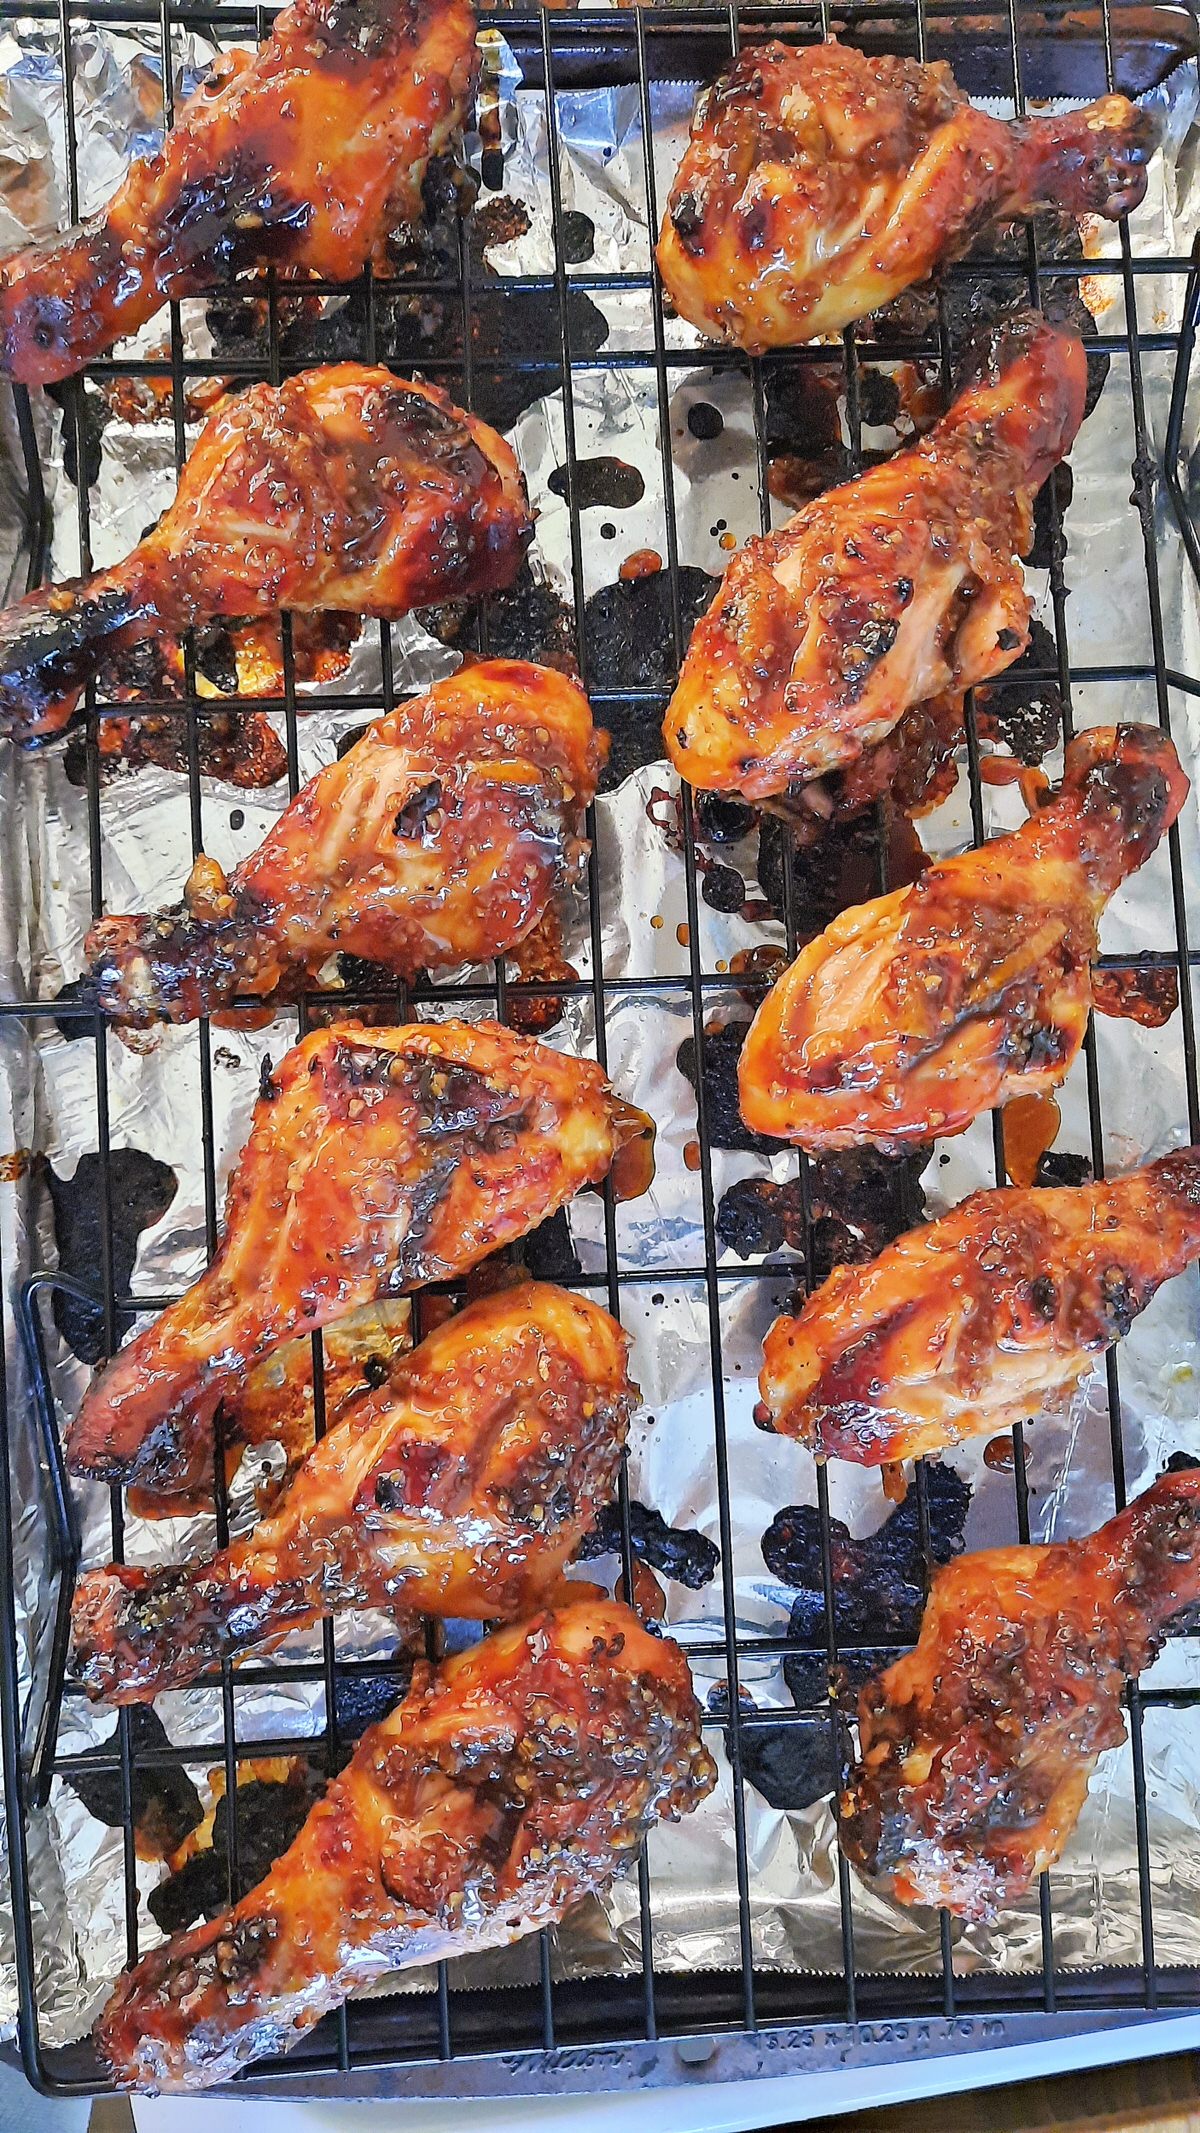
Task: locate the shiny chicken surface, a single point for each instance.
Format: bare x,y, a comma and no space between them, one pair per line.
275,1402
460,1487
820,183
344,488
378,1160
975,1750
986,1318
885,592
439,838
911,1015
515,1780
302,156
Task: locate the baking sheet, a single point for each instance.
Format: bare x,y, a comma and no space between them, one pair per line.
48,1094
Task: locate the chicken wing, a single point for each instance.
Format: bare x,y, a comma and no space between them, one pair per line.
301,156
515,1780
889,590
462,1486
378,1160
912,1014
439,838
975,1750
344,488
989,1317
820,183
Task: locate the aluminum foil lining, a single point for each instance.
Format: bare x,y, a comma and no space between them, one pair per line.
48,1098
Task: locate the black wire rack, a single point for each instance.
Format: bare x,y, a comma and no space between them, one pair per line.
657,2025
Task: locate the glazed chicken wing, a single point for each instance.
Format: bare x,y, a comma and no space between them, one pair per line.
515,1780
345,489
439,838
989,1317
302,155
975,1750
887,591
820,183
378,1160
911,1015
462,1486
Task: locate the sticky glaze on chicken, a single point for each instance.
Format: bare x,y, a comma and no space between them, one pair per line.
344,488
302,155
378,1160
975,1750
986,1318
275,1402
820,183
911,1015
514,1780
889,590
460,1487
438,839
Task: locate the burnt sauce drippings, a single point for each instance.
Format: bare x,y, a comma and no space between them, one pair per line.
879,1581
140,1190
688,1557
629,643
602,481
164,1802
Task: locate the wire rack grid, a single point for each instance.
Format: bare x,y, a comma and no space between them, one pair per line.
564,2031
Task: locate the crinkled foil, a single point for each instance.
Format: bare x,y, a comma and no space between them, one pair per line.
48,1096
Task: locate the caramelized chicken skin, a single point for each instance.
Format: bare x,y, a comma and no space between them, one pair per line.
302,155
378,1160
462,1486
988,1317
820,183
276,1400
975,1750
343,489
439,838
889,590
911,1015
514,1780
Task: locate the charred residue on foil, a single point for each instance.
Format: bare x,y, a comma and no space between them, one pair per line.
849,1208
792,1765
164,1802
274,1797
515,334
679,1553
140,1190
879,1580
532,620
628,630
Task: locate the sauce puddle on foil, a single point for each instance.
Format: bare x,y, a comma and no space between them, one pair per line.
1030,1128
632,1167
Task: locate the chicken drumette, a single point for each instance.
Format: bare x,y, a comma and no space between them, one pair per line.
344,489
515,1780
820,183
890,590
439,838
378,1160
912,1014
302,155
989,1317
975,1750
461,1487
